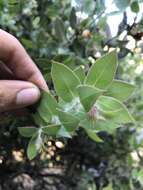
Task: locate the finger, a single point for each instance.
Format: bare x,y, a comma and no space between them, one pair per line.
17,94
14,55
5,72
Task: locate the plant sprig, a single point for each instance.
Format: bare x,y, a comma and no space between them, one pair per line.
93,102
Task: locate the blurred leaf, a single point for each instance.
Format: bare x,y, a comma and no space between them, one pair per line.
73,19
122,4
88,95
113,109
59,30
92,135
120,90
102,71
135,6
27,131
109,187
65,81
79,71
27,43
100,6
12,2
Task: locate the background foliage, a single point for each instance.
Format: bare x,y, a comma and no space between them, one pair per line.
77,33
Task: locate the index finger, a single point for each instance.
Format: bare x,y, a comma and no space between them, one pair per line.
16,58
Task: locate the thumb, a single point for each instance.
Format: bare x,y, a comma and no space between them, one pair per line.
17,94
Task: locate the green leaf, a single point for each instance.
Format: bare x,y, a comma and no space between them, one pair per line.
114,110
63,132
120,90
105,125
38,120
88,123
51,130
74,107
68,120
47,106
79,71
109,187
34,146
102,72
88,95
73,19
122,4
135,6
86,6
98,124
59,30
27,131
65,81
92,135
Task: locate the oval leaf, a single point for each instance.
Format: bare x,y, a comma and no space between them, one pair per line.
47,106
51,130
135,7
68,120
59,29
79,71
122,4
27,131
114,110
88,95
120,90
33,146
65,81
107,126
63,132
102,72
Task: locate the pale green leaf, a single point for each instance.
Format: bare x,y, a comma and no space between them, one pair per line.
27,131
120,90
68,120
102,71
65,81
74,107
38,119
122,4
63,132
88,123
51,130
106,125
88,95
79,71
47,106
114,110
92,135
33,147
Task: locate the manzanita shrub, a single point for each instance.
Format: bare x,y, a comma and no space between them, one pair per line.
91,101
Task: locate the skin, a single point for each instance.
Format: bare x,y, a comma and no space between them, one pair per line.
18,75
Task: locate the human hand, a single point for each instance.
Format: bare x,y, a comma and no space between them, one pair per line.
20,79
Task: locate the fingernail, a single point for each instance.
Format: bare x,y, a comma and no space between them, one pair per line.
27,96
